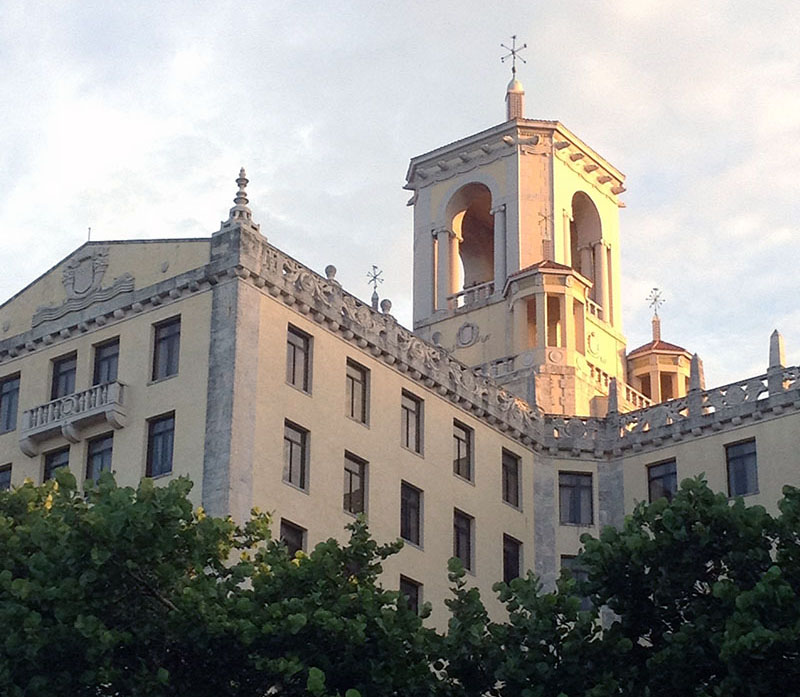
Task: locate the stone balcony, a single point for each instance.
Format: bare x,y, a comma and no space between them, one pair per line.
69,415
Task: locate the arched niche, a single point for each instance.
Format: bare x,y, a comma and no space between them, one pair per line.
585,230
469,214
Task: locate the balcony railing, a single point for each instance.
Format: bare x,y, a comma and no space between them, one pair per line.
70,414
594,308
471,295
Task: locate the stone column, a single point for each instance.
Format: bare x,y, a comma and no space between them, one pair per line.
443,263
586,261
541,319
568,315
500,269
601,279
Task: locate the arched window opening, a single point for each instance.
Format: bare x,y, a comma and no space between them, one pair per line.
473,225
585,234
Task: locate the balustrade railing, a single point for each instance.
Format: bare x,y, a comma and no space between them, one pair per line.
471,295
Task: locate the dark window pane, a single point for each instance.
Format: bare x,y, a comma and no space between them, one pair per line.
742,468
570,564
63,376
295,455
293,536
5,477
106,360
462,450
54,460
662,480
356,383
354,484
462,538
512,549
412,591
161,436
9,402
411,422
298,355
166,348
510,478
410,513
575,498
99,457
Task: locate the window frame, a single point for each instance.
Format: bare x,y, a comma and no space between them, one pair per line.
351,460
468,442
288,525
90,474
57,374
49,467
651,479
5,469
101,360
565,518
361,378
742,459
305,347
152,424
411,419
162,367
462,522
509,541
506,458
304,447
569,562
9,414
413,602
411,526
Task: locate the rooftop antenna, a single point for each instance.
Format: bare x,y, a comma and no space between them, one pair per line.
655,300
513,54
374,278
89,234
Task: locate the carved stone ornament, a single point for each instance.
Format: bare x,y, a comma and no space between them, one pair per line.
468,333
82,279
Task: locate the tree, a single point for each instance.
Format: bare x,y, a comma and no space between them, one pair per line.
132,592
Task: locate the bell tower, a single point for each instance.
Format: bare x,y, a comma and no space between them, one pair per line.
516,260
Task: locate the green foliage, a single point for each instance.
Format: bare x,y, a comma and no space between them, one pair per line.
125,591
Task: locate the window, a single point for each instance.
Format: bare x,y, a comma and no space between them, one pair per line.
298,359
295,455
570,564
106,360
410,513
9,401
5,477
355,480
462,538
742,470
411,422
54,460
413,593
160,440
511,478
166,348
99,456
293,536
357,382
63,376
462,450
662,480
512,553
575,498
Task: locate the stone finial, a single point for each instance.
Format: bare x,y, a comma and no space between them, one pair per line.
330,273
656,328
374,300
240,215
613,400
515,100
697,380
777,351
386,306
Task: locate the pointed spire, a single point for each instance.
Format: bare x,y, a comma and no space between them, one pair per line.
240,215
777,351
656,328
696,377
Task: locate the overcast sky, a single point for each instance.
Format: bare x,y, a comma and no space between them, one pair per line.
134,118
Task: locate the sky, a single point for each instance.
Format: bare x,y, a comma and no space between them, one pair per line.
134,118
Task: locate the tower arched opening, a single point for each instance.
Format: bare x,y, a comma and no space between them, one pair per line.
586,232
472,223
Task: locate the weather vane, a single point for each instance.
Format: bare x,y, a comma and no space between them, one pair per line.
375,277
513,54
655,300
